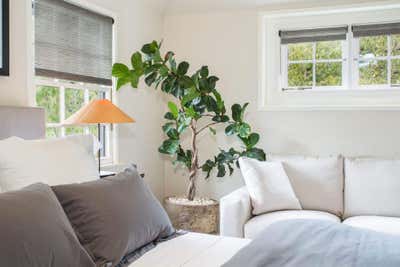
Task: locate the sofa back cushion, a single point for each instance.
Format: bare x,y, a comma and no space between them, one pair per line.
372,187
317,182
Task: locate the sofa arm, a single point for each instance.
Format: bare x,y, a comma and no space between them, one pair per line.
235,211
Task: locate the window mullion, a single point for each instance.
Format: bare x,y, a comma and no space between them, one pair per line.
354,57
314,64
85,102
62,108
389,61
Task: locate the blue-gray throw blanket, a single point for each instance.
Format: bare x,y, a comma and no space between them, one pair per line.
309,243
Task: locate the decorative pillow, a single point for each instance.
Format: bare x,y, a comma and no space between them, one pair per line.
114,216
372,187
317,181
51,161
268,185
35,231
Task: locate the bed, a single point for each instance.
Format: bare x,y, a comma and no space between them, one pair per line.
189,250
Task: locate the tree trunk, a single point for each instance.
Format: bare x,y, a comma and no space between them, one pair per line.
191,193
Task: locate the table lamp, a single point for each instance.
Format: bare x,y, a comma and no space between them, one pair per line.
98,112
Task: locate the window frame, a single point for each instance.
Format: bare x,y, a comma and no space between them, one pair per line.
108,159
271,22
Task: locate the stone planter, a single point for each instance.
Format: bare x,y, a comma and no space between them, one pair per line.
195,217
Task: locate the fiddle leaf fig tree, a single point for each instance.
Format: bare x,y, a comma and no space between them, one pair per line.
198,107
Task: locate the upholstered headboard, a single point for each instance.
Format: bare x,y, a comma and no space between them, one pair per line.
24,122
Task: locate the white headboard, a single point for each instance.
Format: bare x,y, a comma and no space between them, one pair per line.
24,122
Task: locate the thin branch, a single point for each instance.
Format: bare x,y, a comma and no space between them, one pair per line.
205,127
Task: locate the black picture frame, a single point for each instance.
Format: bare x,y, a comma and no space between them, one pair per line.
5,38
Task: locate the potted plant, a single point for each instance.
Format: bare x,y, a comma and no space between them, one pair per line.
198,107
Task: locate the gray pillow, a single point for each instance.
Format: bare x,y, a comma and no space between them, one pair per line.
34,231
114,216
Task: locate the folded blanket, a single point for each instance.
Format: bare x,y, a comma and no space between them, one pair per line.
309,243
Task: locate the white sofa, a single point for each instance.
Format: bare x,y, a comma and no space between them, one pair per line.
363,192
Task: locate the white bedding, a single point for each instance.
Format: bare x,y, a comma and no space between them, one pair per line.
192,250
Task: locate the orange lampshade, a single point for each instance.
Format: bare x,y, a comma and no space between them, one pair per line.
98,111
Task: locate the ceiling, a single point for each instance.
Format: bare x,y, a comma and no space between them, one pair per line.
189,6
180,6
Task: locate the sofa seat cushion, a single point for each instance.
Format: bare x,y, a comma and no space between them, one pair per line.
256,224
388,225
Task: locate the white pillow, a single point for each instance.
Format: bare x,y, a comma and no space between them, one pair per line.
317,181
372,187
51,161
268,185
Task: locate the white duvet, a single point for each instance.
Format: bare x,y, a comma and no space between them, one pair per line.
192,250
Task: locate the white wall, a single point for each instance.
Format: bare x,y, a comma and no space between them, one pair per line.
138,22
13,89
227,42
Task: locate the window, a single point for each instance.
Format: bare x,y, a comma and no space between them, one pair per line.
73,61
313,59
330,58
377,55
61,99
318,58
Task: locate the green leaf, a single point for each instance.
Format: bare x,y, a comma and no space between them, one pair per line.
186,82
163,71
253,140
183,68
221,170
169,147
191,94
220,103
211,104
230,169
244,130
255,153
136,60
212,81
230,129
204,72
213,131
190,112
173,134
207,167
173,109
168,55
134,79
243,111
150,48
122,81
169,116
149,80
168,126
120,70
236,112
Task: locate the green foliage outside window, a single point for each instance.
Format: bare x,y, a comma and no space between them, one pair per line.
48,98
300,74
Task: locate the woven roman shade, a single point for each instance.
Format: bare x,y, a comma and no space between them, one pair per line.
313,35
72,43
375,29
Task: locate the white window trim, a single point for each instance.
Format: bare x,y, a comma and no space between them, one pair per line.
271,97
